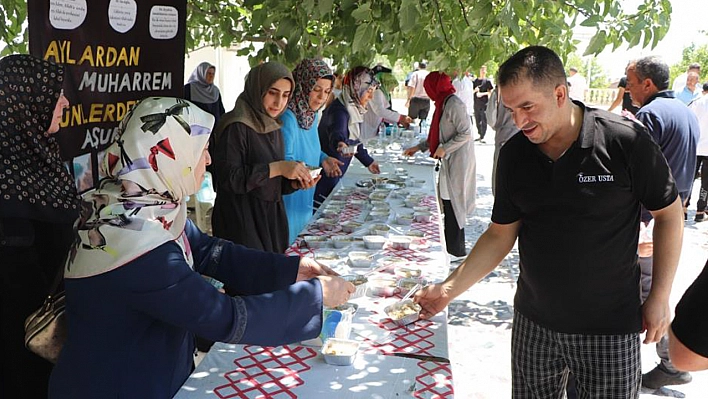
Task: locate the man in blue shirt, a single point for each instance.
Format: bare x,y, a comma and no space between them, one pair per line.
675,128
689,92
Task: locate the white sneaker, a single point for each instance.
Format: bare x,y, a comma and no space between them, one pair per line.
456,259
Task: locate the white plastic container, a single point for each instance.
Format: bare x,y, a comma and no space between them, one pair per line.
361,258
404,312
350,226
360,282
340,352
374,241
404,219
400,242
351,149
314,171
340,242
422,217
315,241
382,285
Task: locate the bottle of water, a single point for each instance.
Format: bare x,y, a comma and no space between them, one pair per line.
206,191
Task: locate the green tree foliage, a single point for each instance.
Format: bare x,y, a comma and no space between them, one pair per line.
448,33
690,55
13,27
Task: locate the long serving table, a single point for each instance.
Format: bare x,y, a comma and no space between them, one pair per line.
392,361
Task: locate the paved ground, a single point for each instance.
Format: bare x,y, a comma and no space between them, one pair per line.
480,319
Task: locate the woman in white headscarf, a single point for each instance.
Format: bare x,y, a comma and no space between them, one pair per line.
135,296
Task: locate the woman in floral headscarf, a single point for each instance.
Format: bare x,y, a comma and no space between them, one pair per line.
250,171
38,207
449,140
341,126
313,84
135,297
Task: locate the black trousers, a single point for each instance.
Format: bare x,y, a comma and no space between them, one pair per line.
419,108
701,166
27,269
454,234
480,117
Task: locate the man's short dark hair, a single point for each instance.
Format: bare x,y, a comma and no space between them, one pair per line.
654,68
422,65
537,63
705,86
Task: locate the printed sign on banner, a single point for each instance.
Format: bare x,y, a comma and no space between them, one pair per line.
116,52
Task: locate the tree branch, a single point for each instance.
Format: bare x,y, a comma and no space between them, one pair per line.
442,26
464,13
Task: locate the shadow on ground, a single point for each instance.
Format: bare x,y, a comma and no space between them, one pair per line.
466,313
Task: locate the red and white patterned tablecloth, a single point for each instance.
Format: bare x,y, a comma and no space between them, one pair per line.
380,370
296,371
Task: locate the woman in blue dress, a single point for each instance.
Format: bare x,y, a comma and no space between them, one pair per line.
313,84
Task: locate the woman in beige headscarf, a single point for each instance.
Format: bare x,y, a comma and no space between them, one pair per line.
250,173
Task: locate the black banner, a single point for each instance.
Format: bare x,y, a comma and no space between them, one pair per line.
116,52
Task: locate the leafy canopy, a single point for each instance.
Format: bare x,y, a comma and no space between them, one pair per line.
447,33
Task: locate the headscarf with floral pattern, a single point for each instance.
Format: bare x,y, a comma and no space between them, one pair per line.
306,74
140,205
355,84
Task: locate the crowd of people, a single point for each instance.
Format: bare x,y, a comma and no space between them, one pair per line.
596,201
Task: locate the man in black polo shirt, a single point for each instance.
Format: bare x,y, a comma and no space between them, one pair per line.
688,335
569,187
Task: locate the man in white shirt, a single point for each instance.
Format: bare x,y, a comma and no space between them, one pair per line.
700,107
464,89
578,84
418,102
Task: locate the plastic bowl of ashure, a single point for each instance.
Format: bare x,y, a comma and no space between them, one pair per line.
384,285
361,258
314,171
350,226
400,242
350,149
327,257
340,242
360,283
340,352
315,242
403,312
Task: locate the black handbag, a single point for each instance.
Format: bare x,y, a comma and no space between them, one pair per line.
45,328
